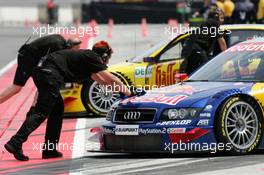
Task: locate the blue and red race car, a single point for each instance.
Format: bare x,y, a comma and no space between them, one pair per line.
219,108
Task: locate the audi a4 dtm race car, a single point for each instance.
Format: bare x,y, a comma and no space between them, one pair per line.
157,66
219,107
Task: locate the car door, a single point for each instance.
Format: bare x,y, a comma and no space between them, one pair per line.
168,64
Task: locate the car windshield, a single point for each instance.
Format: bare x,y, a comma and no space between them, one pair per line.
237,36
148,53
243,62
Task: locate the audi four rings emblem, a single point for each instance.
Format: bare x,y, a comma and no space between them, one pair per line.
132,115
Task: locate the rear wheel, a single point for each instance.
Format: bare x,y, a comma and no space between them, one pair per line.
239,125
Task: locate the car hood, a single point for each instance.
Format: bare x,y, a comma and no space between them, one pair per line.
123,66
183,95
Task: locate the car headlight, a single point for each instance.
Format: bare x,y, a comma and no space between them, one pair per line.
179,114
111,113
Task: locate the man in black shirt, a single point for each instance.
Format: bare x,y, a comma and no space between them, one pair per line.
49,77
198,47
28,58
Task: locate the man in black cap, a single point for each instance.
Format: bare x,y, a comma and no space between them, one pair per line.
28,57
199,46
50,75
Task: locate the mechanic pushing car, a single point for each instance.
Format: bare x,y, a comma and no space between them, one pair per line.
199,46
29,55
49,76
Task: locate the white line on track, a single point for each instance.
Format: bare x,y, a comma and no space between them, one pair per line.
137,170
257,169
79,139
90,43
128,165
2,71
7,67
141,166
79,147
79,136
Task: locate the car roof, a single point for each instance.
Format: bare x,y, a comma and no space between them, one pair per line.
226,27
229,27
243,26
254,40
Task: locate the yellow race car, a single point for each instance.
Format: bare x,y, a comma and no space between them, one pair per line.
154,68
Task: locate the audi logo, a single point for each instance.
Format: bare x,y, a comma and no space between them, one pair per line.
132,115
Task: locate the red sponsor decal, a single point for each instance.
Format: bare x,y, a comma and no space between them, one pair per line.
249,38
249,47
158,98
188,136
178,89
165,78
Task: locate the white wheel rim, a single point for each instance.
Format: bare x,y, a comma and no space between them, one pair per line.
101,99
241,125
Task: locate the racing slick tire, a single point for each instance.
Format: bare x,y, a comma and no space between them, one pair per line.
239,125
96,99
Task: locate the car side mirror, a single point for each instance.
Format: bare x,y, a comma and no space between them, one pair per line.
149,59
180,77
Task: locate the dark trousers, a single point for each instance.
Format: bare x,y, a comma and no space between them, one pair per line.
260,21
51,15
49,104
193,61
228,20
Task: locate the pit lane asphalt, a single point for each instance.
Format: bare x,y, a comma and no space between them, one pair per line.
103,163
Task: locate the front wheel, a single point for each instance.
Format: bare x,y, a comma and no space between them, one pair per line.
238,124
